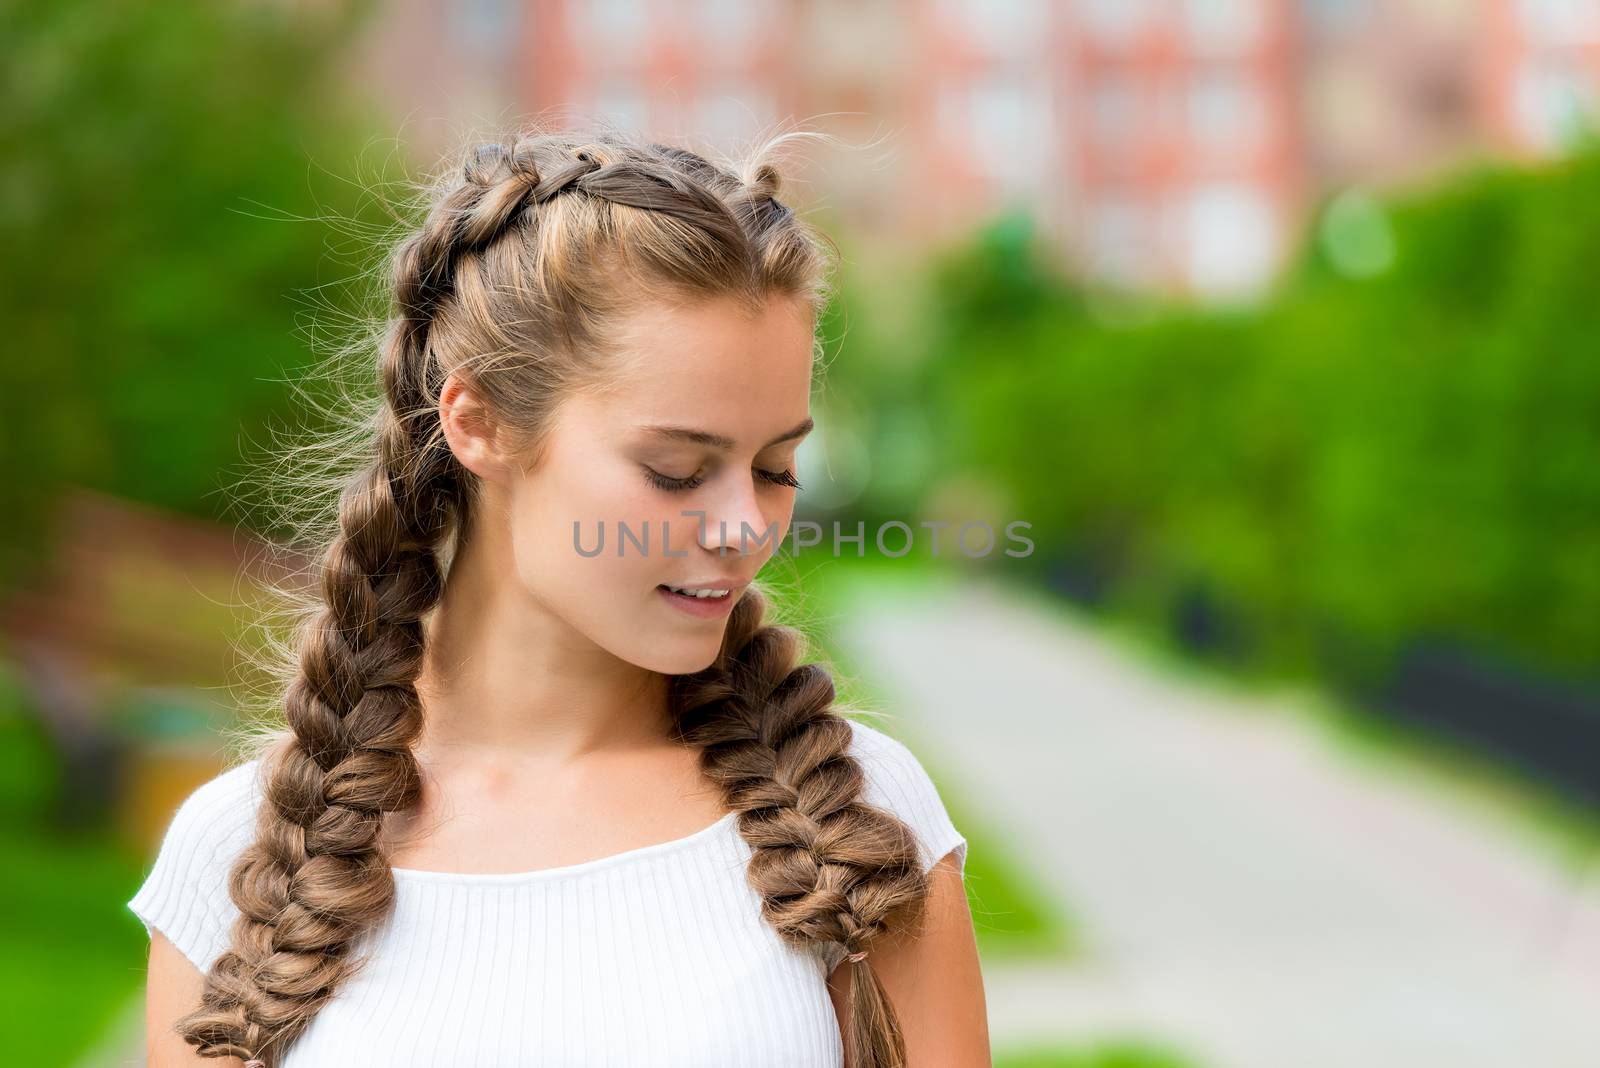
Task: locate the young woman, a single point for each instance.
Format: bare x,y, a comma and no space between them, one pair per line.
542,805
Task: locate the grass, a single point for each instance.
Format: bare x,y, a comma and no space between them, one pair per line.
1013,915
1110,1055
73,954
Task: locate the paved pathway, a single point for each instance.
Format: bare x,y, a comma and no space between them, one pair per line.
1249,894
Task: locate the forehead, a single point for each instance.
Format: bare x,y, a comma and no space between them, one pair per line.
716,365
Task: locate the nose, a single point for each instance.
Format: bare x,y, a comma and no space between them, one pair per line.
736,524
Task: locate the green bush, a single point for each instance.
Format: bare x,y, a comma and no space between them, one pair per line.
1358,458
1113,1055
174,177
169,189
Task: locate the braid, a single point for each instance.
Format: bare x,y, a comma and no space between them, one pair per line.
829,868
315,878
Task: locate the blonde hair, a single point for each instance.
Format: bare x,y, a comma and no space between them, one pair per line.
531,252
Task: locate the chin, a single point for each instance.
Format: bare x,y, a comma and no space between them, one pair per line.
686,660
692,665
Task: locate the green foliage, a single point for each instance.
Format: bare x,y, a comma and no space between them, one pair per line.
73,953
1110,1055
1362,459
165,199
30,770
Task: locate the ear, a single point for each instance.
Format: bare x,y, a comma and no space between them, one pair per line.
471,431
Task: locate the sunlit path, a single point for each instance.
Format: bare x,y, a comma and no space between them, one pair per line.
1247,892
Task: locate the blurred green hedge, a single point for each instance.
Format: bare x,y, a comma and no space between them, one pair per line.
1361,457
174,177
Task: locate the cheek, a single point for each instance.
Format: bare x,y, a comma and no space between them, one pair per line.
600,499
609,599
777,516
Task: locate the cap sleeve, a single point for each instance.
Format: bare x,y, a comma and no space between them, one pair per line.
897,781
185,896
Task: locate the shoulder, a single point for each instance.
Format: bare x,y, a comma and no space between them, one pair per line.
896,780
185,895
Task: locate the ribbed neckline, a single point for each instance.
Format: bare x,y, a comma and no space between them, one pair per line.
627,856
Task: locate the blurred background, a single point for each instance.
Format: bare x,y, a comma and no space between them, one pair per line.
1275,320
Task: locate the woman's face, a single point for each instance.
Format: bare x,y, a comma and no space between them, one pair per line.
681,474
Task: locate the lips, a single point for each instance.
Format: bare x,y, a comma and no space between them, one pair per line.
707,607
699,591
732,585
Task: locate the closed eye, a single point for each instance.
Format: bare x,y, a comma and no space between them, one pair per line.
678,485
781,478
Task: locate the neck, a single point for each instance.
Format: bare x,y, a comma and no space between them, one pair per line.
506,681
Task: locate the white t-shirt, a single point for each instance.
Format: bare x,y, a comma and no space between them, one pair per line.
654,956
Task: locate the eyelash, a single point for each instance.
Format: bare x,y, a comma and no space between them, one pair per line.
675,485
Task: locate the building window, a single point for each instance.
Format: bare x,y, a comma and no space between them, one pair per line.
1560,22
1010,121
1006,26
1224,113
733,23
619,27
1229,238
1117,239
1336,17
1224,27
1115,115
1554,101
1117,23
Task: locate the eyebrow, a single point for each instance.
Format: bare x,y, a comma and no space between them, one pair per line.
720,441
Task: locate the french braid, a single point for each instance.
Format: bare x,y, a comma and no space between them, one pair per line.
829,868
512,279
